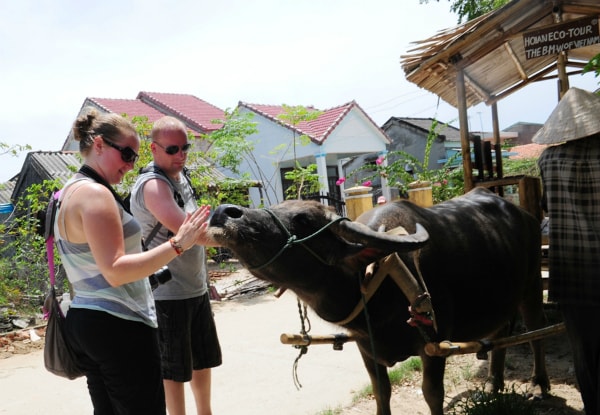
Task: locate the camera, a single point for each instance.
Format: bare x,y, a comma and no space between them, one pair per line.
161,276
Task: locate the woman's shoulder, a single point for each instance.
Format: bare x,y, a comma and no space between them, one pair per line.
86,190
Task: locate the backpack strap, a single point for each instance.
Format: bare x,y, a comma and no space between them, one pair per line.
49,232
176,195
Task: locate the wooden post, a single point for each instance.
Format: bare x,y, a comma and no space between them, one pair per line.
420,193
358,200
530,196
463,122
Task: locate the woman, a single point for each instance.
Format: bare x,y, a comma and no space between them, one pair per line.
112,323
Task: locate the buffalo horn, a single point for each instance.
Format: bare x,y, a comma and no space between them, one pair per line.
358,233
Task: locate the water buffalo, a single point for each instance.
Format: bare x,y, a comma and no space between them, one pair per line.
479,256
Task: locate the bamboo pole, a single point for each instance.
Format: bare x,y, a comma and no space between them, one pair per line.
447,348
337,340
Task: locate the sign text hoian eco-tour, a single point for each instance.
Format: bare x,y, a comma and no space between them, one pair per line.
557,38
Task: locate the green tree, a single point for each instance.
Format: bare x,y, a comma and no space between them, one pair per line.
593,66
230,148
23,262
13,149
200,164
470,9
305,180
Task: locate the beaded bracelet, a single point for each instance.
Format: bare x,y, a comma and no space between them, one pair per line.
176,246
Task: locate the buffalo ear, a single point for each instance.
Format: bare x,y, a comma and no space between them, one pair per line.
361,256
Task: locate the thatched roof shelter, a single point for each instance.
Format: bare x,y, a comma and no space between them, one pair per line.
490,57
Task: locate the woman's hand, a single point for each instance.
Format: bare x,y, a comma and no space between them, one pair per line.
193,228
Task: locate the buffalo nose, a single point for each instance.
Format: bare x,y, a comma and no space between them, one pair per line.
224,212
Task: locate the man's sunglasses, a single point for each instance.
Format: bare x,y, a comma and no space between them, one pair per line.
127,153
172,150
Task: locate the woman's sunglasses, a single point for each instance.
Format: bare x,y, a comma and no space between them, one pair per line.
127,153
172,150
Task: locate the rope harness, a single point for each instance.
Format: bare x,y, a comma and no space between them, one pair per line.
293,240
421,311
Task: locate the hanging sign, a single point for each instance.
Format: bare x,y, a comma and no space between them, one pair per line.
551,40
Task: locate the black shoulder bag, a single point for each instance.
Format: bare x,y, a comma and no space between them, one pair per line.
59,358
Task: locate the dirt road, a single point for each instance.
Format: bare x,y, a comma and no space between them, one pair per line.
255,378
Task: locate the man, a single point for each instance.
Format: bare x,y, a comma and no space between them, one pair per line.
570,170
189,343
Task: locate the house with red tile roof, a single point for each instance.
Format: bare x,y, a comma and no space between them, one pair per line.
339,133
335,136
198,115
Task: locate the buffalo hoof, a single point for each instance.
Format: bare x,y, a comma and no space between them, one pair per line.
537,392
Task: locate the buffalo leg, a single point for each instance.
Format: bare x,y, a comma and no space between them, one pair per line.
533,315
433,382
380,381
496,364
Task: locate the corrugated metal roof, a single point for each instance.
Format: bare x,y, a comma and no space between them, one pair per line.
56,164
6,190
450,132
214,176
62,165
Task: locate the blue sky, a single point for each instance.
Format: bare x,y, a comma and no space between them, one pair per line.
55,53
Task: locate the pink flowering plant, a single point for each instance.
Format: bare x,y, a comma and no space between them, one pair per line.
403,169
342,180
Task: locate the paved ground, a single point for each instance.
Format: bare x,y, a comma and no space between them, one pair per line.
255,378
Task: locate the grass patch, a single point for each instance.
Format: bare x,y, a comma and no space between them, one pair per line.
328,411
398,375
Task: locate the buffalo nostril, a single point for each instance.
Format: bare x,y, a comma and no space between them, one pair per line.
224,212
233,211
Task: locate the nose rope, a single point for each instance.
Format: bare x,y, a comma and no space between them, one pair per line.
293,240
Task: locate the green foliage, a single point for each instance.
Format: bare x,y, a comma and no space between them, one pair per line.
593,65
470,9
13,149
293,115
232,191
480,402
517,167
305,181
229,144
23,263
230,148
398,375
143,128
405,371
404,169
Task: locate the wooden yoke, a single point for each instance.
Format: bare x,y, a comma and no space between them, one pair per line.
393,267
416,295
